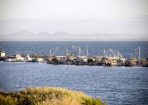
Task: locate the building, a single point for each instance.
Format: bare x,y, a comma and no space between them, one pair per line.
2,53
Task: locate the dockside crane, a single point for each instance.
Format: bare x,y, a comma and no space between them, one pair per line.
54,52
77,52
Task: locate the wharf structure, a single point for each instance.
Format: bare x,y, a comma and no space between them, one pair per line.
114,58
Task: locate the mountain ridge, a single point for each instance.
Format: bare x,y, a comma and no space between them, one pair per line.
25,35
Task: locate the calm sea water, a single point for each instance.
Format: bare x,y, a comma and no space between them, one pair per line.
114,85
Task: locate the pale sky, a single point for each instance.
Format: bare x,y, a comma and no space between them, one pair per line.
74,16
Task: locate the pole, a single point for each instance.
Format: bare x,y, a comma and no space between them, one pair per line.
104,53
50,53
79,51
87,51
139,53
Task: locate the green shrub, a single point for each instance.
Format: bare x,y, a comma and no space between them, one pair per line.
47,96
7,100
92,101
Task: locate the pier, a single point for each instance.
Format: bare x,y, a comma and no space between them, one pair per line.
75,57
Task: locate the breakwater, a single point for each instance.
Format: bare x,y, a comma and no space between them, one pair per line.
77,56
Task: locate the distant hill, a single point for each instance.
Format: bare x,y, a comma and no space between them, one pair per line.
26,35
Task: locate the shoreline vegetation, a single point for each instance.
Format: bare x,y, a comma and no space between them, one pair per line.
47,96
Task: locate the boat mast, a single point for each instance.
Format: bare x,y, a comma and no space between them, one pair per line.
139,53
104,53
87,51
50,52
79,51
67,53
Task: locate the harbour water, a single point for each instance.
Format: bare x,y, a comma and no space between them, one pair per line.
114,85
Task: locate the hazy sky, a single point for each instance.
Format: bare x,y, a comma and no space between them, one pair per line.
74,16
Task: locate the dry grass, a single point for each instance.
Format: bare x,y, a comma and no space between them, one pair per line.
47,96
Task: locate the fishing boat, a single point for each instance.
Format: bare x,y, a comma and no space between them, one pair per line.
29,58
145,62
19,58
39,59
10,59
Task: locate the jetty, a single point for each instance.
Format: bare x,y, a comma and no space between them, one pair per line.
110,57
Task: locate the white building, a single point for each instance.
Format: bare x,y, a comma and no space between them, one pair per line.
2,54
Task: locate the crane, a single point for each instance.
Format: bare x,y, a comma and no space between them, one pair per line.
115,53
77,52
111,50
54,52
